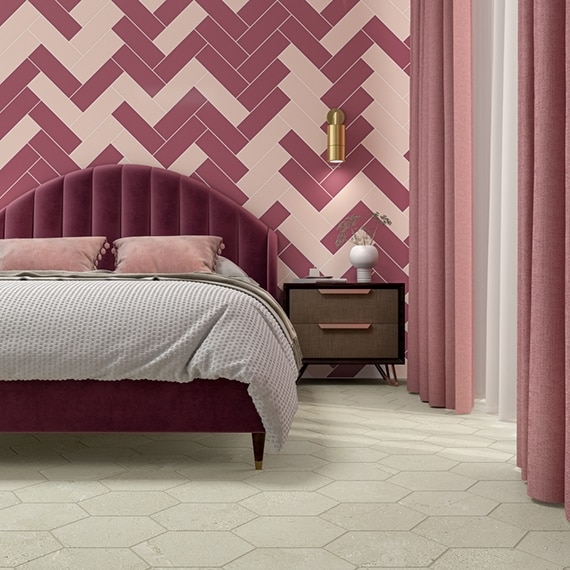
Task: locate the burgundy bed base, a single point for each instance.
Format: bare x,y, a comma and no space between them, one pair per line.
129,200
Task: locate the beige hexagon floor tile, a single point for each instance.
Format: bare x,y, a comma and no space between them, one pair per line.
103,454
106,532
373,516
19,547
128,503
7,452
169,447
166,463
506,432
192,549
61,491
290,462
289,559
448,503
82,470
386,549
350,454
8,499
446,428
295,447
339,428
223,455
39,516
212,491
150,479
471,453
418,463
489,422
469,531
553,546
488,471
19,472
288,481
505,446
533,516
395,434
341,440
52,447
456,441
288,503
289,532
364,491
204,516
499,558
407,448
432,481
389,420
87,559
356,471
502,491
216,471
437,416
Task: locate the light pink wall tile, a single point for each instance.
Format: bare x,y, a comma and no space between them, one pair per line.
259,133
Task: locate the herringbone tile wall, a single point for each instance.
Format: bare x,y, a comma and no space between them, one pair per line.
233,92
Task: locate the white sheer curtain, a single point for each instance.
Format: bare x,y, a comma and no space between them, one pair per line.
495,203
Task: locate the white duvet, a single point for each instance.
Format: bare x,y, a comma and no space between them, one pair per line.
175,328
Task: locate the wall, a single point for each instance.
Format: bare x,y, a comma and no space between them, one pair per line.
233,92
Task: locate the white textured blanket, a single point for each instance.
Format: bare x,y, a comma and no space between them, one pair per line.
174,329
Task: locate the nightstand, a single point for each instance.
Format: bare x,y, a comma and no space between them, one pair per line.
358,323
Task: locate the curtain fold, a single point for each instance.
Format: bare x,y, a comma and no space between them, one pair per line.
543,449
440,337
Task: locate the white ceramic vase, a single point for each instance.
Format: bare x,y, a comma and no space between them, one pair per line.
364,258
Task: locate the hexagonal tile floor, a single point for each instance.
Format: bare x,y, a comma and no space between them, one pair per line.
369,478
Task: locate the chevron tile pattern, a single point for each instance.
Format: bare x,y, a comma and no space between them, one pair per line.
233,92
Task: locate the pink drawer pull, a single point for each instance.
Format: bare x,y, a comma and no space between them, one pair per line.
337,326
344,291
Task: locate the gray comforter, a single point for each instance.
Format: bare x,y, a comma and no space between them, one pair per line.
101,326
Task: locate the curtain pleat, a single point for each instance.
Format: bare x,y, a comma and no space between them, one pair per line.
440,306
543,393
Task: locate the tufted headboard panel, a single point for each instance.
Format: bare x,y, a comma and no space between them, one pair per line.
134,200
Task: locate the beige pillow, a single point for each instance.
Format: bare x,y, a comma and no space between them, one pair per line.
167,254
60,254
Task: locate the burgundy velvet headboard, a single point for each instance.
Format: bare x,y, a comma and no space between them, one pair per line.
130,200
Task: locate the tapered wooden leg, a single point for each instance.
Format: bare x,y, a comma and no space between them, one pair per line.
258,440
385,374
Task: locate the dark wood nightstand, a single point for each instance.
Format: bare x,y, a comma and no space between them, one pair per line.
358,323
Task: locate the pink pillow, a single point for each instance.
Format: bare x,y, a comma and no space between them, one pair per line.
167,254
61,254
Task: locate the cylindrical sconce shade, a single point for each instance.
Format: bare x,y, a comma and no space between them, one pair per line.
335,136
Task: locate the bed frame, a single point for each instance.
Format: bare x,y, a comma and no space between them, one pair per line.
133,200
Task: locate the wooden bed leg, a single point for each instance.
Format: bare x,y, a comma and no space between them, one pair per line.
258,440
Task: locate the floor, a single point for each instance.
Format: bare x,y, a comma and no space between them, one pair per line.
370,478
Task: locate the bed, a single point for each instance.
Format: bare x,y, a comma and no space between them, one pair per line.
121,202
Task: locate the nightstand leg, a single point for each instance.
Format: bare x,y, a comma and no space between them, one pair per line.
386,374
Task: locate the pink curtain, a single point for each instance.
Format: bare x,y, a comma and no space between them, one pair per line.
440,337
543,421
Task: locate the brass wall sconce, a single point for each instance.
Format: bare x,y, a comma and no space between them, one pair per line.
335,136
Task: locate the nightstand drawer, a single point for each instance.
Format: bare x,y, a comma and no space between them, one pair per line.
343,305
373,341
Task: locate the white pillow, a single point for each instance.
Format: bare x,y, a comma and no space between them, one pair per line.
228,268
